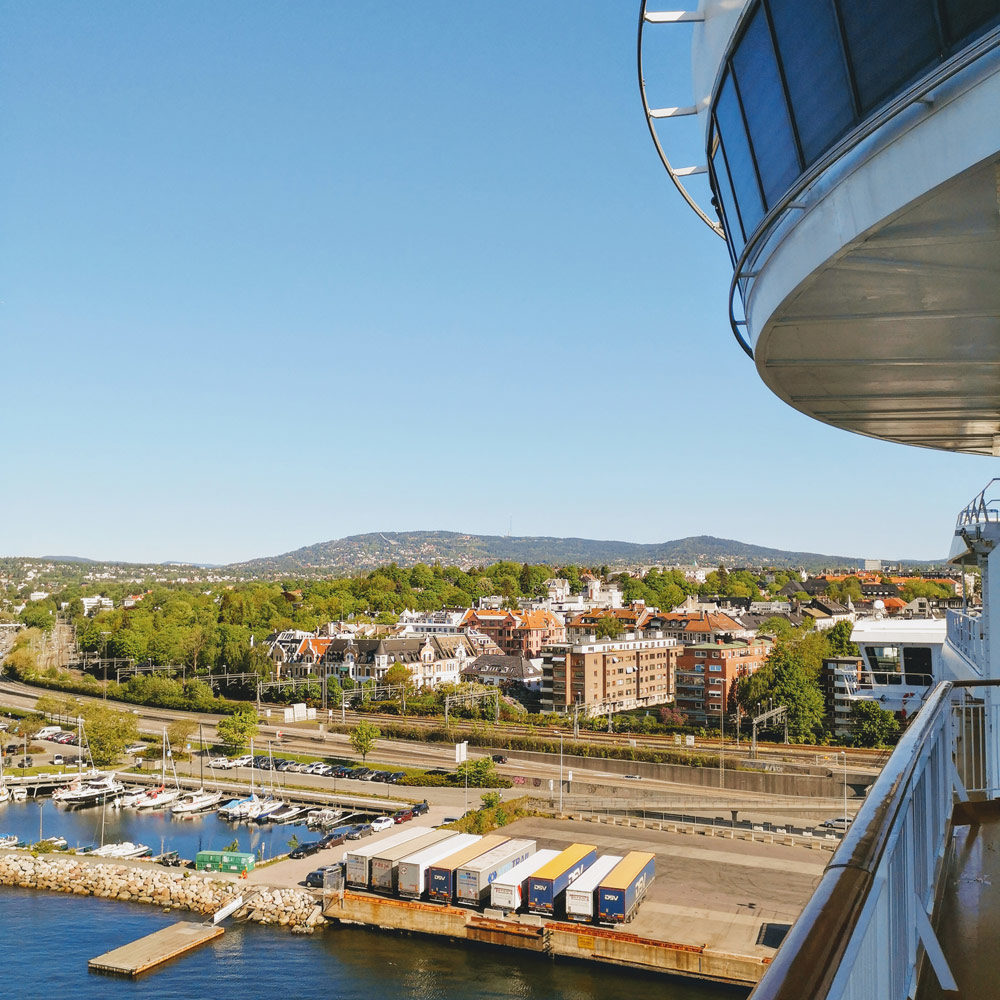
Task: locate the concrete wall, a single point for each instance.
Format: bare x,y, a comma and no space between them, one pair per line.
824,782
579,941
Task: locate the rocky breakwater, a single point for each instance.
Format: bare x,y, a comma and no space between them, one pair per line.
175,890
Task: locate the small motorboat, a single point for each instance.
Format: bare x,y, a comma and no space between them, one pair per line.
9,840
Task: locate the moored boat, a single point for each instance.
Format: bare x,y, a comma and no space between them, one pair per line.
196,802
92,789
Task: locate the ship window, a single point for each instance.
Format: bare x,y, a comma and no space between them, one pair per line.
964,16
815,72
771,136
917,664
889,41
883,658
743,172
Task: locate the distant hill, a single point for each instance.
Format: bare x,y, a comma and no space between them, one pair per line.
366,552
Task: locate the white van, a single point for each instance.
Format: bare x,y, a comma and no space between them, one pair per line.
44,734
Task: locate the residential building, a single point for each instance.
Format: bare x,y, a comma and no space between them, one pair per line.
517,633
699,626
504,671
431,659
707,671
632,671
630,619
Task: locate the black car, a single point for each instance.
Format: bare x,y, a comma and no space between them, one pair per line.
397,776
498,758
305,849
438,770
420,808
317,879
340,771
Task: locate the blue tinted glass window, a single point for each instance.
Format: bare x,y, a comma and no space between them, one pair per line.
889,42
742,172
763,96
812,56
729,211
965,16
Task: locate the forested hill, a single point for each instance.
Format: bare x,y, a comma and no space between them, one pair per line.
406,548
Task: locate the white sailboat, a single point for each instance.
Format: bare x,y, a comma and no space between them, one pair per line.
241,809
160,796
5,792
200,800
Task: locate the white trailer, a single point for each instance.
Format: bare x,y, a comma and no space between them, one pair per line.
580,894
411,872
510,890
473,880
359,858
384,866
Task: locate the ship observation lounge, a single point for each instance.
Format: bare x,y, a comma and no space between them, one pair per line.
853,150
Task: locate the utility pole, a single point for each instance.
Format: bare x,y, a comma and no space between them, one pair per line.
560,773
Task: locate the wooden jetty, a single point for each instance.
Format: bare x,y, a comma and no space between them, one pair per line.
155,949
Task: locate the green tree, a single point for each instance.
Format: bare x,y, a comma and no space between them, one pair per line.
178,733
237,730
777,626
363,736
108,732
839,640
608,627
873,725
785,681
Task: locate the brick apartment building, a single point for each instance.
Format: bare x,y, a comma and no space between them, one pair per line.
632,671
517,633
706,673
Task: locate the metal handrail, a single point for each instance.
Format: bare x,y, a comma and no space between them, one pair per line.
943,72
811,955
978,509
674,176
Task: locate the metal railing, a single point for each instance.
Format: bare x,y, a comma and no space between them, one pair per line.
979,509
966,632
866,927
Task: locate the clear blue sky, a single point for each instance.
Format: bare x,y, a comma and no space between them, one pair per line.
275,273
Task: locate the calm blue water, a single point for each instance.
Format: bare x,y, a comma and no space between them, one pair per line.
83,827
49,938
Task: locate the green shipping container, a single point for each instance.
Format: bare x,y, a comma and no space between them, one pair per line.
224,861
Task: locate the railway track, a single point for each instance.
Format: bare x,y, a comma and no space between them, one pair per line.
792,753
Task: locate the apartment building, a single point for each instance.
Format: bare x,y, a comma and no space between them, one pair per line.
707,671
632,671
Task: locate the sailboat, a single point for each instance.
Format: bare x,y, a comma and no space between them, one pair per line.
160,796
241,809
91,788
263,812
200,800
5,793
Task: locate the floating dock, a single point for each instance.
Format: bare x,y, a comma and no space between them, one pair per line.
155,949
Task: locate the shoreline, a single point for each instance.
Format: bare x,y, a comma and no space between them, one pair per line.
301,912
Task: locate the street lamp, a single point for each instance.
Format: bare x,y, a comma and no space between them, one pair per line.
561,772
843,754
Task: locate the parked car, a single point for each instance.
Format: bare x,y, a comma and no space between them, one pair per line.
305,849
402,815
222,763
67,738
381,823
359,831
317,879
438,770
323,769
396,776
25,762
498,758
340,771
57,760
333,839
243,761
363,774
420,809
380,776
